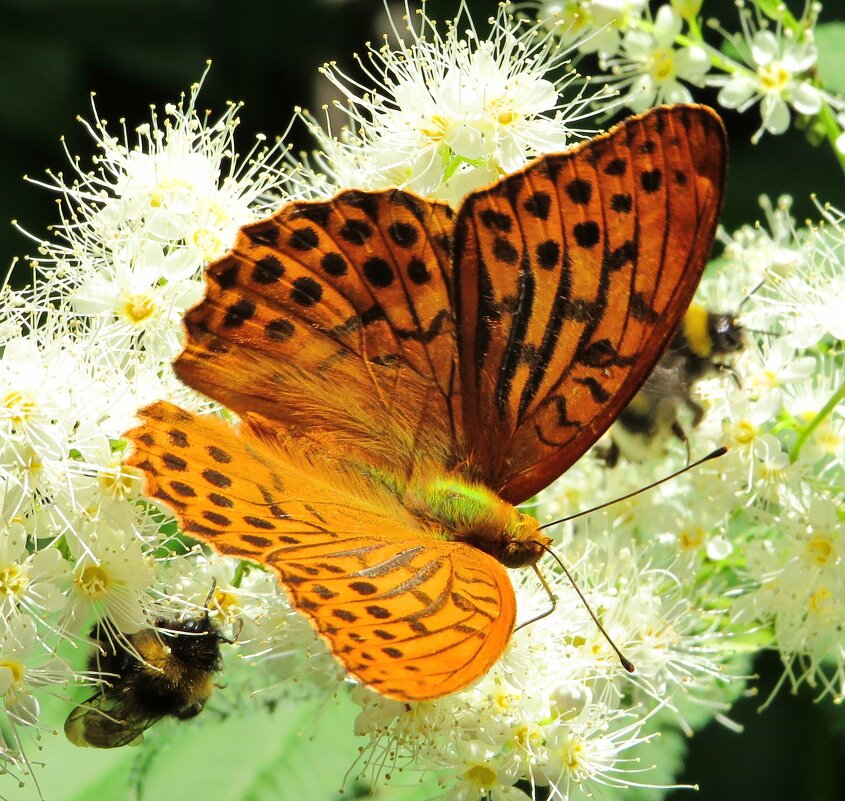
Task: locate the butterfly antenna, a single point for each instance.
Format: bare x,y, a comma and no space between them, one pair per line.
712,455
626,663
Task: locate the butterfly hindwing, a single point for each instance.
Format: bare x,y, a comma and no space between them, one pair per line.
570,278
383,591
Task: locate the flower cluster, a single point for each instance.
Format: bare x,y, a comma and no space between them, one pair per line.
745,545
449,113
87,343
658,56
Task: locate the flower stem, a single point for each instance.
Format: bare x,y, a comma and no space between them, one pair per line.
804,434
832,131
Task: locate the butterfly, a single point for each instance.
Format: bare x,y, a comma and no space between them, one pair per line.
406,375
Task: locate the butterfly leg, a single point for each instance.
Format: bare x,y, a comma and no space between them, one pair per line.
552,598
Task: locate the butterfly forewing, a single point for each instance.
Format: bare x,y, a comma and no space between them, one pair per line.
386,594
571,277
357,286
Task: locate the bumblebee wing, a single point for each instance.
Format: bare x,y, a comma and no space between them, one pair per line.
105,722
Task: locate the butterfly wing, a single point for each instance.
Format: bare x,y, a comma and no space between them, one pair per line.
570,280
333,320
412,616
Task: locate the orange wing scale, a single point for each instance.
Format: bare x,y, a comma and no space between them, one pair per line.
374,335
350,292
387,596
571,277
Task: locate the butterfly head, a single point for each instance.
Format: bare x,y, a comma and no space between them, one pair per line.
527,543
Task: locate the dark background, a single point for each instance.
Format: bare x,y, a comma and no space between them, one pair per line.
133,53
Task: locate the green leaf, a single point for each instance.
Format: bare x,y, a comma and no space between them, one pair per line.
830,38
299,750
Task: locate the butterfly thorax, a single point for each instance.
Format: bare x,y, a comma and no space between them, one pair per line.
472,513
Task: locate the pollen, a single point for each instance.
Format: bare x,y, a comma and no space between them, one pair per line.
13,581
137,308
93,582
18,406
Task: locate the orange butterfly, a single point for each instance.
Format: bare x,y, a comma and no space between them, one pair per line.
406,375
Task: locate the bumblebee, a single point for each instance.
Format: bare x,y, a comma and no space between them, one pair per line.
700,348
173,677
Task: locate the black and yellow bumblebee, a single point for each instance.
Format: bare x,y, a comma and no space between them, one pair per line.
701,347
173,677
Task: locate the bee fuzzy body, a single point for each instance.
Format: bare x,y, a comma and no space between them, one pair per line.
699,349
173,678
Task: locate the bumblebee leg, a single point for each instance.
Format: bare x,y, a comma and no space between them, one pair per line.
678,431
610,454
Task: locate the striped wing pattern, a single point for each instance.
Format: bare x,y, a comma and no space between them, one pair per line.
571,277
411,616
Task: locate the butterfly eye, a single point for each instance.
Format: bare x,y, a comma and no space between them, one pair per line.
517,554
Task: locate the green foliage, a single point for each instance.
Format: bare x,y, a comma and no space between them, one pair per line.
299,750
830,39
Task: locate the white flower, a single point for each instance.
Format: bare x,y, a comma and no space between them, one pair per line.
807,301
138,229
34,393
111,578
25,666
778,74
447,114
653,67
593,26
143,291
29,582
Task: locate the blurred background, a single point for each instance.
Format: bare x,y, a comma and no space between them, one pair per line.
54,53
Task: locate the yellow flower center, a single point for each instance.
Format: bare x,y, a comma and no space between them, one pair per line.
692,539
138,307
818,600
209,243
93,581
662,66
13,581
226,602
482,776
773,77
821,550
744,432
118,482
827,438
768,379
17,670
573,756
19,406
436,128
